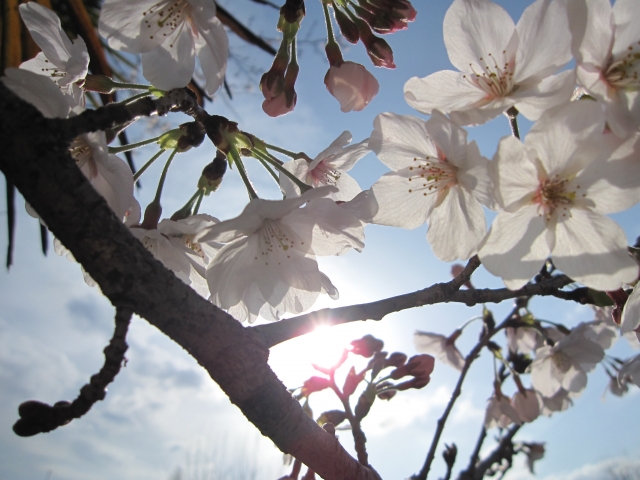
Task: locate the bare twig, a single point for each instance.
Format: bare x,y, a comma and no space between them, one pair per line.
37,417
503,451
275,333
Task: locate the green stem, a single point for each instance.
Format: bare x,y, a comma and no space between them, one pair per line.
198,202
268,169
132,146
331,39
243,174
133,98
164,175
130,86
288,153
139,173
301,185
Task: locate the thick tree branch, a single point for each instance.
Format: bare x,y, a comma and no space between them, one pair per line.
35,158
275,333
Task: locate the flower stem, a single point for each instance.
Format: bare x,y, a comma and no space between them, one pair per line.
331,39
198,202
132,146
301,185
268,168
164,176
288,153
512,115
243,174
133,98
139,173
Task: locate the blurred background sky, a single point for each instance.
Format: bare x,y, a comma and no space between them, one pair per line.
164,418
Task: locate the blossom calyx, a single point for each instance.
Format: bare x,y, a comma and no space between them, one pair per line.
213,173
98,83
291,15
378,49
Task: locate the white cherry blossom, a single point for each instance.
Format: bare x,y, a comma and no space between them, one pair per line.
606,46
174,244
554,191
268,265
559,402
437,177
169,34
630,371
501,64
500,413
565,365
443,348
108,174
528,404
328,168
64,61
631,313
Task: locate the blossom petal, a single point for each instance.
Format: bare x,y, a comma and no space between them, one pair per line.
121,24
170,65
625,14
591,31
631,312
456,226
544,40
514,174
446,90
398,139
45,29
473,29
547,93
212,45
516,246
592,249
37,90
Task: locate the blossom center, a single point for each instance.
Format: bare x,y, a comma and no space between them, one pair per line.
165,18
187,241
81,152
432,175
275,242
552,193
562,361
324,174
623,72
495,78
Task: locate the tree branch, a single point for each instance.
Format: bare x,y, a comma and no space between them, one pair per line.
36,159
275,333
37,417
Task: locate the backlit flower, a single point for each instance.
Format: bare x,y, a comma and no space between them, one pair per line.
169,34
444,348
328,168
352,85
438,177
501,64
606,45
554,190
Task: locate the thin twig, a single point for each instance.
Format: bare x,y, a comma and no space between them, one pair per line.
38,417
275,333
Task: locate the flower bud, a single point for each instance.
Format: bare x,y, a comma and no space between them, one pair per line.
378,49
352,85
99,84
366,346
315,384
213,173
348,29
396,359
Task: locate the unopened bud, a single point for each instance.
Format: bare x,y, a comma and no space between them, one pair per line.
450,453
192,136
348,29
213,174
315,384
99,84
366,346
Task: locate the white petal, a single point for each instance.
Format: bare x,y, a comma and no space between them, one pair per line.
543,376
336,147
397,140
456,226
212,48
45,29
121,23
574,380
545,94
516,247
299,168
170,65
37,90
631,312
473,29
346,158
592,31
445,90
514,174
544,40
398,204
625,14
115,184
568,138
592,249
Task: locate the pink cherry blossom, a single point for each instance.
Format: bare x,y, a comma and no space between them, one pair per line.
352,85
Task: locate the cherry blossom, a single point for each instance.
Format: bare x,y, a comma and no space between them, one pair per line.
107,173
173,244
501,64
328,168
565,365
442,347
437,177
268,265
528,404
169,34
631,313
558,402
534,452
352,85
66,62
554,190
630,371
500,413
606,46
523,339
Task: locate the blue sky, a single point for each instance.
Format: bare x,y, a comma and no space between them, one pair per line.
163,414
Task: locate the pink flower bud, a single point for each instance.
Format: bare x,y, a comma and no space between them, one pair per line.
315,384
367,346
352,85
